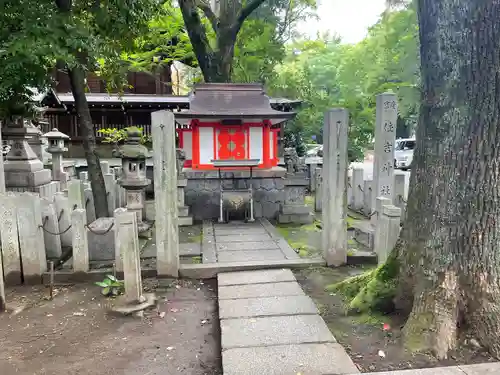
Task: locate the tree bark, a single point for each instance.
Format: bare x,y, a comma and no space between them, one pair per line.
216,65
449,250
77,80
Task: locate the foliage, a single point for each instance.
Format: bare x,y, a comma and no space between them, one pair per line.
116,136
324,73
111,286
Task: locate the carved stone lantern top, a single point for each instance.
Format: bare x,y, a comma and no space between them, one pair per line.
56,141
132,148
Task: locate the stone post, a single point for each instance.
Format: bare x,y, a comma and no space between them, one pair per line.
367,196
75,194
11,256
334,235
387,232
377,212
357,188
165,189
128,246
63,211
399,190
2,288
385,139
2,173
318,204
80,241
312,177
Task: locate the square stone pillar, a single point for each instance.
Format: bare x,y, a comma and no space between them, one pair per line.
165,189
385,139
357,188
387,231
2,173
334,234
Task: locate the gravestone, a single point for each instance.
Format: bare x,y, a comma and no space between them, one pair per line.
318,204
165,187
387,231
80,241
334,235
385,138
52,238
128,246
63,211
10,239
357,188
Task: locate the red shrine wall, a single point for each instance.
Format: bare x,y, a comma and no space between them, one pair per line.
207,141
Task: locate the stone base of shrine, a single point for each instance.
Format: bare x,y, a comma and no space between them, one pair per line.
202,192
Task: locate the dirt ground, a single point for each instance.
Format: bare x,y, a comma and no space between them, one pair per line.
75,334
364,336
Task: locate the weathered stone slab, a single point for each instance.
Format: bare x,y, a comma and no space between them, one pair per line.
247,231
237,225
254,277
29,222
310,359
80,241
249,255
9,236
268,306
102,239
51,235
481,369
260,290
242,238
454,370
276,330
252,245
63,210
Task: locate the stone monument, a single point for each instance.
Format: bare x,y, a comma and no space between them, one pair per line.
23,169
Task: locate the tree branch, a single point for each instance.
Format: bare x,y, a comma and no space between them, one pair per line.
197,35
245,12
209,13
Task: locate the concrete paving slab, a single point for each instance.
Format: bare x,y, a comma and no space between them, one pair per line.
260,290
252,245
249,255
481,369
255,277
230,231
276,330
237,224
268,306
310,359
454,370
242,238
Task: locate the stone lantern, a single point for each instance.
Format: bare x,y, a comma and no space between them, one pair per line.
133,178
57,146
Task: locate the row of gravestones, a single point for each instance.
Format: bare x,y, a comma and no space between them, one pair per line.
360,191
386,216
37,227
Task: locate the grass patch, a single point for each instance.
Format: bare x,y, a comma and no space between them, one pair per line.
196,260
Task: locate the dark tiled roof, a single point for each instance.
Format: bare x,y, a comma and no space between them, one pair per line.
230,100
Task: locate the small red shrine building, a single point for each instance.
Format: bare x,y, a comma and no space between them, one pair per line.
229,122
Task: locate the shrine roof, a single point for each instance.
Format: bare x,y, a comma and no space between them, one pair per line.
231,100
56,99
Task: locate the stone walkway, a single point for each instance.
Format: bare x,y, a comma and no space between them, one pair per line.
244,242
269,326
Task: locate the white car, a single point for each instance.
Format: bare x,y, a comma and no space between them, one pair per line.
403,153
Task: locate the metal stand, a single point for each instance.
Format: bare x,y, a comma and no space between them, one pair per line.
247,163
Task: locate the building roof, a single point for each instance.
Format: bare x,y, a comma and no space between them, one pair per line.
104,99
231,101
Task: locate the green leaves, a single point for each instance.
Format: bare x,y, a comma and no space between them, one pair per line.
111,286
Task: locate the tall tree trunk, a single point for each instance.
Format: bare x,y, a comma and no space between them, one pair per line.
449,250
77,80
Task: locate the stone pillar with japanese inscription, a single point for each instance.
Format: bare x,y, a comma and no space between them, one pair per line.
385,138
334,234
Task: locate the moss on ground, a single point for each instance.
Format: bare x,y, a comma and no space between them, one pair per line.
371,291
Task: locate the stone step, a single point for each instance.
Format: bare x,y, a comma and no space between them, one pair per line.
266,306
310,359
242,237
274,330
250,245
254,277
249,255
260,290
